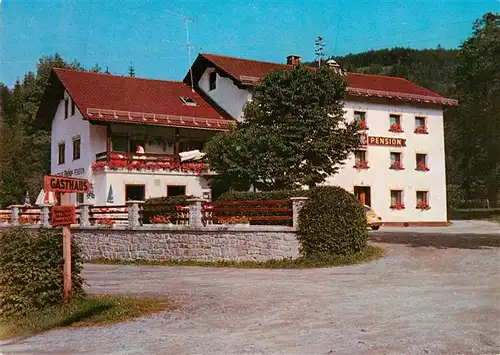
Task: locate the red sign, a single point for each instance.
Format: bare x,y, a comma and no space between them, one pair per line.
62,216
387,141
65,184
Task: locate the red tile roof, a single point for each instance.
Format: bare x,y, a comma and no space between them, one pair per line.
105,97
249,72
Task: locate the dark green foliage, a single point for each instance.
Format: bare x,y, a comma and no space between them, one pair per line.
294,133
31,266
332,222
474,213
163,206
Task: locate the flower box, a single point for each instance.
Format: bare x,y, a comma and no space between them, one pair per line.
362,165
105,222
422,205
396,128
159,219
396,165
397,206
421,130
422,167
239,221
363,125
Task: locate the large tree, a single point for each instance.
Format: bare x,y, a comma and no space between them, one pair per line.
294,132
475,129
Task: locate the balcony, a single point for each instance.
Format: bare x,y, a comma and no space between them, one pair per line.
147,162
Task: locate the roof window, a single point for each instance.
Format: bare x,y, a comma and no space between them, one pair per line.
188,101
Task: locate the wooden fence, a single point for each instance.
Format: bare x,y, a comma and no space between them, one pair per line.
277,212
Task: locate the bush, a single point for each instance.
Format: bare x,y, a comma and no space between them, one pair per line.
473,213
332,222
31,271
164,206
260,196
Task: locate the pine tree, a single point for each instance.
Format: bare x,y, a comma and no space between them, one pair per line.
131,71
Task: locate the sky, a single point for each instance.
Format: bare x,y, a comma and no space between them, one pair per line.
151,34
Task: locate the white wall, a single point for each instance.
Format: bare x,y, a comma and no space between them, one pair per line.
155,182
64,130
381,179
226,94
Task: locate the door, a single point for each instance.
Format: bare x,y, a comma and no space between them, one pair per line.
362,193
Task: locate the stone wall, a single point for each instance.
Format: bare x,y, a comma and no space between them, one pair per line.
255,243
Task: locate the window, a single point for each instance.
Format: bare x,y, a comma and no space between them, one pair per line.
423,200
72,108
396,162
360,161
397,200
66,103
79,198
76,148
360,117
421,161
395,123
119,144
135,192
188,101
176,190
187,146
420,125
61,153
212,79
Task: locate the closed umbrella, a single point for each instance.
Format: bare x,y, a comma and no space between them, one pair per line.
110,198
27,198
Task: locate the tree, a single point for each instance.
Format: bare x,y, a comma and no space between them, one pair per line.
475,142
131,70
294,133
96,68
320,45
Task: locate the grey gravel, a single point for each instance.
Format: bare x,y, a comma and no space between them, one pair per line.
416,300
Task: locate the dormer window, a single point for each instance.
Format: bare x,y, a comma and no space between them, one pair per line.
188,101
212,79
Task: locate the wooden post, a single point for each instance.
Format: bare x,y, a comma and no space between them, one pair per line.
65,200
176,146
108,142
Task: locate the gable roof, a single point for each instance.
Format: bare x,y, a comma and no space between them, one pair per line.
112,98
247,72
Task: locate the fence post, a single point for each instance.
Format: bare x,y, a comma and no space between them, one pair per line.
45,216
133,213
195,215
14,215
84,214
297,204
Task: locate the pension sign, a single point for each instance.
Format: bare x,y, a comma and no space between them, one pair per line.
65,184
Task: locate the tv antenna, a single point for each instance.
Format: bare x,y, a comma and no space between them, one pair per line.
188,45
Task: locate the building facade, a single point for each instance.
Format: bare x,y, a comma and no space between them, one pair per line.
98,120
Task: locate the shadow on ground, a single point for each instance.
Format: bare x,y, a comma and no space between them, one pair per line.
437,240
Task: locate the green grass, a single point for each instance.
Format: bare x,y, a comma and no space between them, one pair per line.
370,253
92,310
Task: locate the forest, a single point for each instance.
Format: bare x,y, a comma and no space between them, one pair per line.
470,73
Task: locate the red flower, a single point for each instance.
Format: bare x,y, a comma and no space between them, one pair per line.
422,205
233,220
362,165
422,167
396,165
395,128
421,130
160,219
363,124
398,206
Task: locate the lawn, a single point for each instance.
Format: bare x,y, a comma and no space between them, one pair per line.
92,310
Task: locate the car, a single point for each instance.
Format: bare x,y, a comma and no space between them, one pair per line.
372,220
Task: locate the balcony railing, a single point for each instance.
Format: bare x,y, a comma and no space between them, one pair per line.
131,157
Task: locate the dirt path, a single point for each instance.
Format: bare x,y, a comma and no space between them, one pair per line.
417,300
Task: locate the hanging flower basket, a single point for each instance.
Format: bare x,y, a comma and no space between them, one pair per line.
422,167
362,165
422,205
396,128
396,165
421,130
397,206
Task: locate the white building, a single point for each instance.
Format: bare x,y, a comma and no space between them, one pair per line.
98,120
415,153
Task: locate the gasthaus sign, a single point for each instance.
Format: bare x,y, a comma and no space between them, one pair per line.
65,184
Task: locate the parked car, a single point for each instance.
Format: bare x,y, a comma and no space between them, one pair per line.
372,220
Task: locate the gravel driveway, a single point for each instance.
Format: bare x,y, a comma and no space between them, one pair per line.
417,300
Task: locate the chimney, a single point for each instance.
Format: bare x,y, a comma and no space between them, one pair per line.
293,59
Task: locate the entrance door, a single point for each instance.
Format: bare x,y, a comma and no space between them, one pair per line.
362,193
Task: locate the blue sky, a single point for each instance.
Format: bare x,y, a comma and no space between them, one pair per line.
114,33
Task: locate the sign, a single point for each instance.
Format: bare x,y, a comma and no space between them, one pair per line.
69,172
62,216
387,141
363,139
65,184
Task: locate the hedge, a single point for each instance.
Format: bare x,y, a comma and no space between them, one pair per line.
261,196
332,222
473,213
31,271
163,206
